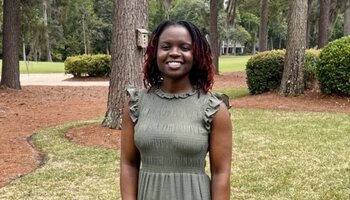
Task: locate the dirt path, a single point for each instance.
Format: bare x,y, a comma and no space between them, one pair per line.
36,107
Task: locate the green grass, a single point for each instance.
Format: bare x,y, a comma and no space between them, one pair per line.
234,93
71,171
39,67
232,63
276,155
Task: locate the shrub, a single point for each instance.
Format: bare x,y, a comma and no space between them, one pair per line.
333,71
311,60
99,65
264,71
88,65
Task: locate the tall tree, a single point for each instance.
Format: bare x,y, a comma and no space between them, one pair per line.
309,3
293,74
231,12
347,18
166,4
10,63
127,58
323,23
46,3
263,25
214,33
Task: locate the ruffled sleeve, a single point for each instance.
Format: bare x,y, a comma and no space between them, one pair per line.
134,96
212,107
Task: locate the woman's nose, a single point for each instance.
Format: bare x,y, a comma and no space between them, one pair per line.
174,51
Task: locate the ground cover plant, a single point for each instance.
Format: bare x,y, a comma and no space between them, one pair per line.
276,155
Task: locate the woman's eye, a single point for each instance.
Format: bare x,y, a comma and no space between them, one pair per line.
165,47
186,48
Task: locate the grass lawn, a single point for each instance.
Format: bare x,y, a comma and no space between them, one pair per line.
227,64
232,63
33,67
276,155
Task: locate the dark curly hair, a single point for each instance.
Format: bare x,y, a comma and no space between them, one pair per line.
202,72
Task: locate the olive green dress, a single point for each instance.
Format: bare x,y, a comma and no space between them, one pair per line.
172,136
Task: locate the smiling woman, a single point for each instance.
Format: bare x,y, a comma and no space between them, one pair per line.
169,128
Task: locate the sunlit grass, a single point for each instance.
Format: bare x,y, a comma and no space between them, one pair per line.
276,155
33,67
232,63
290,155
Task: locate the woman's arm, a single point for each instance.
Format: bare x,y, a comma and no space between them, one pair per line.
220,152
130,159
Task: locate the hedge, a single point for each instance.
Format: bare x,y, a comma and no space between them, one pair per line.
333,71
265,69
88,65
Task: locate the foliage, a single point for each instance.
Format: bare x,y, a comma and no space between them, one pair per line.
311,60
333,71
91,65
264,71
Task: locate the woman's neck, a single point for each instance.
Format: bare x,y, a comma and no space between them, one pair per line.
176,86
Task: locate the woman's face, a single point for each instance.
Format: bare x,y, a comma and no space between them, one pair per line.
174,53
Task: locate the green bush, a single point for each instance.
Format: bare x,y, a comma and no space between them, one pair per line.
333,71
88,65
311,60
264,71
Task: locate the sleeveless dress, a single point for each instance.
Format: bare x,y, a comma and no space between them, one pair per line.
172,136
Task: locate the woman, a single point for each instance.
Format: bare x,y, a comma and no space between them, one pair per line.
169,128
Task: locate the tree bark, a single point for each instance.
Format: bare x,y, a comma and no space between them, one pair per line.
231,12
10,63
263,25
127,58
347,18
293,74
214,33
47,37
309,2
323,23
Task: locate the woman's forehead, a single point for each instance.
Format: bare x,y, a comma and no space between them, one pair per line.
175,32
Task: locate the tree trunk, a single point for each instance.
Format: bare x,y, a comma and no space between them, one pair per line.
293,74
333,15
263,25
127,58
231,12
10,49
323,23
84,35
47,38
253,44
347,18
309,2
214,35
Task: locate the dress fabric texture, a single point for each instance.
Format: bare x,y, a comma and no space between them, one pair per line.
172,135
